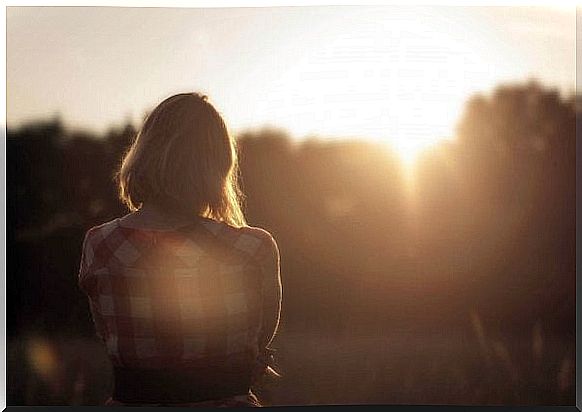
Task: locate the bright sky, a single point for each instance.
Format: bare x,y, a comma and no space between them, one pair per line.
381,72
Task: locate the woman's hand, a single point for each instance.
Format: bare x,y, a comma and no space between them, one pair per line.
264,366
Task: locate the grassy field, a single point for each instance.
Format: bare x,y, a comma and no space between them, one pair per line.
403,367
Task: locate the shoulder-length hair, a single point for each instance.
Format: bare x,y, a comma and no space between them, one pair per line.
184,160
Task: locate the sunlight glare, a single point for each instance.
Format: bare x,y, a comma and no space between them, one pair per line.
410,148
402,84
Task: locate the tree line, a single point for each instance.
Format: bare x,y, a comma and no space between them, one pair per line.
488,225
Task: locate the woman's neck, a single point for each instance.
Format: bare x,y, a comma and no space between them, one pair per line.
155,216
152,209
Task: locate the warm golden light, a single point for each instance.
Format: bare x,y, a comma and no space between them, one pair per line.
368,72
409,149
42,358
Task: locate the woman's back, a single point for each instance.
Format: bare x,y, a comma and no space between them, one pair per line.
186,310
185,295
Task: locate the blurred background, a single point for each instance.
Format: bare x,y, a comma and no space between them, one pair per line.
415,164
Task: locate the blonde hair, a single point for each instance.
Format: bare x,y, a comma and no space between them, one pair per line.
184,160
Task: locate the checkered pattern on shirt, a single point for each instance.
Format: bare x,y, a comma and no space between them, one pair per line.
177,298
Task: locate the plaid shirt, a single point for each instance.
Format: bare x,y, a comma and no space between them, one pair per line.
197,295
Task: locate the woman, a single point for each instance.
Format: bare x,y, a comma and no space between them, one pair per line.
185,296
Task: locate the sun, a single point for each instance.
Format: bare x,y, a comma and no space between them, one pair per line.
410,148
403,84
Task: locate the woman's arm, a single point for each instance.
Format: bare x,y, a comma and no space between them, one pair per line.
267,258
88,283
87,256
271,291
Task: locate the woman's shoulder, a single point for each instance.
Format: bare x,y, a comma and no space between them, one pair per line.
249,239
258,233
259,242
100,231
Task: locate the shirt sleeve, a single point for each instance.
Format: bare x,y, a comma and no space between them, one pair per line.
271,291
87,284
87,257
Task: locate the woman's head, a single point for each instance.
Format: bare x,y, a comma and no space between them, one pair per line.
184,161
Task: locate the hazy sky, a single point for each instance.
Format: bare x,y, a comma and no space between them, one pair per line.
336,71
